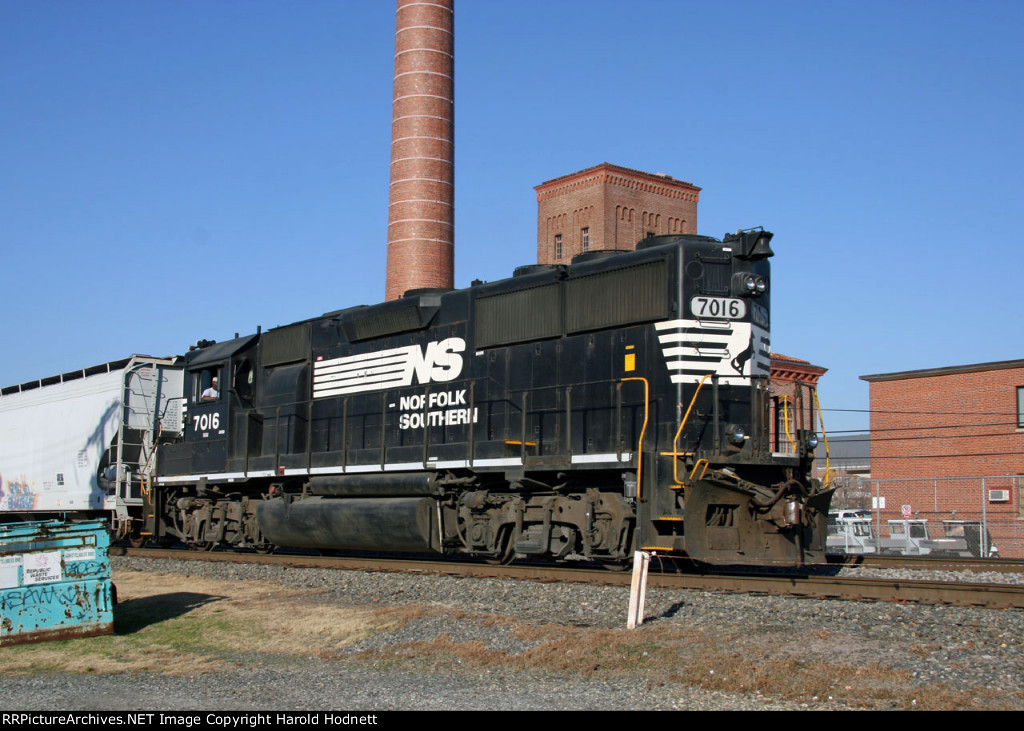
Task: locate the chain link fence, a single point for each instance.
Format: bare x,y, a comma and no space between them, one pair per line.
947,511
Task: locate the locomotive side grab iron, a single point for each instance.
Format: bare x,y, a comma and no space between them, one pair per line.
576,411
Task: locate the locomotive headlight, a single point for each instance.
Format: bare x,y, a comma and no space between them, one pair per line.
812,441
748,284
735,435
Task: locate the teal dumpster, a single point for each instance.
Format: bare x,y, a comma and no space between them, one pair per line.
54,581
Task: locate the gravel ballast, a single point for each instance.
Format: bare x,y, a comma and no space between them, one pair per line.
936,647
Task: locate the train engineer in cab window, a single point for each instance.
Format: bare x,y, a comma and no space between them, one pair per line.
207,386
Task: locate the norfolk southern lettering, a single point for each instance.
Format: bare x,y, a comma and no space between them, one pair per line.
414,417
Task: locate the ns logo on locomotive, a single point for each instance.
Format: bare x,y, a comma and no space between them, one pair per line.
575,411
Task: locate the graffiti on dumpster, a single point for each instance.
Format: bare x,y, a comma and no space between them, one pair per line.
60,594
83,569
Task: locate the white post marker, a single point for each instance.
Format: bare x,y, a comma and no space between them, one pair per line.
638,590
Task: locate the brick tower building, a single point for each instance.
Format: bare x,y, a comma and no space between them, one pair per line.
421,203
610,207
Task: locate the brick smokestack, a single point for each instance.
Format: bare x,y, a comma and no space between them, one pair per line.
421,210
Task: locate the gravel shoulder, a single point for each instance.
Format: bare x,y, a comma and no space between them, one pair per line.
245,638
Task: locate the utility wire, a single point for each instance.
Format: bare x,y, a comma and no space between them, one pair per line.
951,413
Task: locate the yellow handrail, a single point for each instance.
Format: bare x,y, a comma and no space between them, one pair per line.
702,465
675,442
643,430
830,473
785,420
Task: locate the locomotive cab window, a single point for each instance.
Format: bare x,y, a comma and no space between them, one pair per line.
206,386
244,378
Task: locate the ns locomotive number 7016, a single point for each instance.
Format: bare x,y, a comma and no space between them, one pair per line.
570,412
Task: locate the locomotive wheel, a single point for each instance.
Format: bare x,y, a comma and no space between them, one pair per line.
135,538
201,545
609,564
507,551
503,560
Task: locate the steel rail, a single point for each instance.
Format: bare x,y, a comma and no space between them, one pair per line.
932,563
995,596
964,594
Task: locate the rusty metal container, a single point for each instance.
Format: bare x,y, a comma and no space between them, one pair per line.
55,581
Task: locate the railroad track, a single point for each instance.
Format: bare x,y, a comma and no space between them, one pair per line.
662,576
931,563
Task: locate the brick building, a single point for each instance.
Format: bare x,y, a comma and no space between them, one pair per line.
948,443
610,207
793,406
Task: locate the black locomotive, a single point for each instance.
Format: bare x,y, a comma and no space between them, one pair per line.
576,411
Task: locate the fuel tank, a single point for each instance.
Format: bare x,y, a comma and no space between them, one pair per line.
359,524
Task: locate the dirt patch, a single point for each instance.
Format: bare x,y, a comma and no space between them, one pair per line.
160,628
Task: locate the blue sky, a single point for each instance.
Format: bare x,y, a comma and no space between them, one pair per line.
171,171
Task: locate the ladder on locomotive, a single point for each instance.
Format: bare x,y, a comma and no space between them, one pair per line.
133,451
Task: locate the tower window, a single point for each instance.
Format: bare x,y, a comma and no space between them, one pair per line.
585,238
558,246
